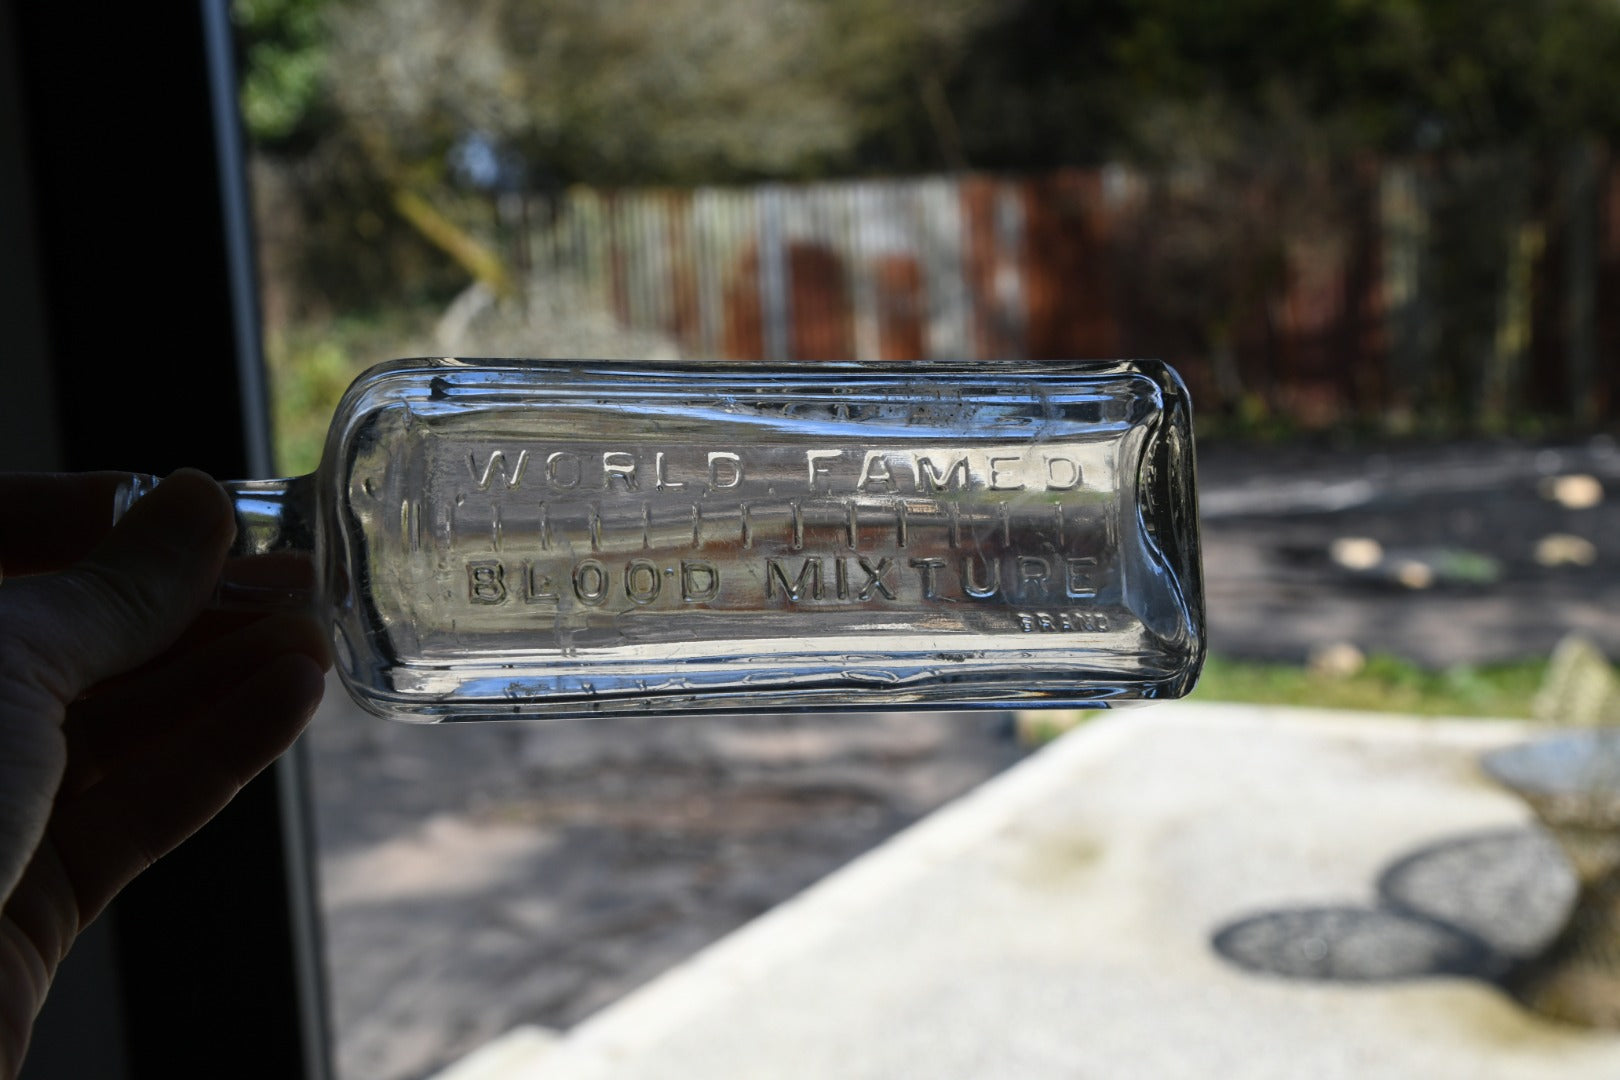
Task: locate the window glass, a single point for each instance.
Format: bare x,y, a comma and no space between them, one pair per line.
1379,240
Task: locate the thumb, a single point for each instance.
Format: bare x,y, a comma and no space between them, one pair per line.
131,597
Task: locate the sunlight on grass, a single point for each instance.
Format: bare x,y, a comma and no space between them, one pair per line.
1385,684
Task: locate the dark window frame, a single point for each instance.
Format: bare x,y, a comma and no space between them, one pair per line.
135,307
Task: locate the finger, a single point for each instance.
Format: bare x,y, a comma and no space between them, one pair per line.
60,633
120,722
52,520
38,927
111,832
130,598
211,625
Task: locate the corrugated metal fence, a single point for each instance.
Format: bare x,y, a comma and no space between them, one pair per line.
1355,300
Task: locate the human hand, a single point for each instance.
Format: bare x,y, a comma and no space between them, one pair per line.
128,716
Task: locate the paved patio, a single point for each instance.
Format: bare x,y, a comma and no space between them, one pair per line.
1178,890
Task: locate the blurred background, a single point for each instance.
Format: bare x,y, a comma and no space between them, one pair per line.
1380,239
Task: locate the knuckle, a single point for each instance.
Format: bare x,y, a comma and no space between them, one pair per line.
131,600
36,670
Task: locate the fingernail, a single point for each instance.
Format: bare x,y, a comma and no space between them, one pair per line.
208,512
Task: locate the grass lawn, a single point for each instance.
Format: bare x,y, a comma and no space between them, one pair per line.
1385,684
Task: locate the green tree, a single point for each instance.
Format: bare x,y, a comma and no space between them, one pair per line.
659,91
1074,81
283,46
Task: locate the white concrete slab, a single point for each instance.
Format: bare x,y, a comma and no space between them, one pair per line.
1057,922
516,1053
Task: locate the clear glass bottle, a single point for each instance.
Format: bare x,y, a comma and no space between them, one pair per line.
517,538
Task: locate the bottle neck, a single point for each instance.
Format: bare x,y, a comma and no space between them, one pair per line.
273,516
271,563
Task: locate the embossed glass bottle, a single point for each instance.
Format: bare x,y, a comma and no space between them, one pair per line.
509,538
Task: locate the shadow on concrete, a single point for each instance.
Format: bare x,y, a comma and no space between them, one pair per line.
1475,905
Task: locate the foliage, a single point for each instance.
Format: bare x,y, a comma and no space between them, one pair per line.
284,60
312,365
1066,81
637,91
1255,124
677,91
1253,120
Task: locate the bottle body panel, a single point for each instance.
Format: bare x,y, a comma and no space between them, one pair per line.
551,539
